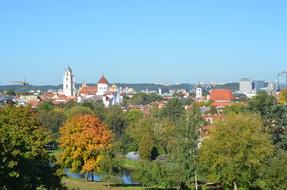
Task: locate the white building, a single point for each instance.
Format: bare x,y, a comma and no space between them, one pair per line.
69,88
246,86
198,93
103,86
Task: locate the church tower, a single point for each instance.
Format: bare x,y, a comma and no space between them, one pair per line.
69,88
103,86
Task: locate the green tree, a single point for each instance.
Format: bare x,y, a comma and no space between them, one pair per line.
174,110
135,132
25,164
159,131
77,110
274,117
235,152
111,165
147,150
115,120
275,174
183,151
127,142
10,93
46,106
144,175
153,175
52,120
236,108
133,116
100,110
143,99
264,105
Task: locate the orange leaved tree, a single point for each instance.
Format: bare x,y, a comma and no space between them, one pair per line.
83,139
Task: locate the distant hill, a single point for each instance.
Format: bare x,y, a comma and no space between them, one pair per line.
155,87
137,87
232,86
21,88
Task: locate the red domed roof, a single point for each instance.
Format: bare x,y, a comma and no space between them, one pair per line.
103,80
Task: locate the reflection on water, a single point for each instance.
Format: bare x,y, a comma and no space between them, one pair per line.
125,177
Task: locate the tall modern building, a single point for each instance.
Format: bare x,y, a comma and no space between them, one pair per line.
69,87
246,86
259,84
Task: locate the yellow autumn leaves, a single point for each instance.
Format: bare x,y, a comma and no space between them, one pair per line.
83,138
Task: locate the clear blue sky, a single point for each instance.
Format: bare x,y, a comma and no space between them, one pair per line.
167,41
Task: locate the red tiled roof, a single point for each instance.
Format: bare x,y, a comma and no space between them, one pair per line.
89,90
103,80
33,103
221,95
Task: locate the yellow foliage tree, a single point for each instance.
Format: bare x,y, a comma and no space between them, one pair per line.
83,138
283,96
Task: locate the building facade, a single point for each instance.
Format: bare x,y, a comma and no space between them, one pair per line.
198,93
103,86
246,86
69,87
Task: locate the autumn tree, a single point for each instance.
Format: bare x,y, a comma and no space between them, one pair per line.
283,96
25,164
83,138
236,151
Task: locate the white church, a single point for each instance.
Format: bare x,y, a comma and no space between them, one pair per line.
103,91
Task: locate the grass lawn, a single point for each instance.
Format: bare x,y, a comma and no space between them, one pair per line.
76,184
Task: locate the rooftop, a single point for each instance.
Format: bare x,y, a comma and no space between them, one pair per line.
103,80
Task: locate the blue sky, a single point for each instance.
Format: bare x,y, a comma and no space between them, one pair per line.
165,41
